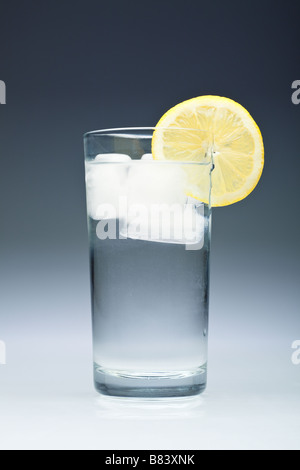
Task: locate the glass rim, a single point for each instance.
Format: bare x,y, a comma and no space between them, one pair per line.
119,130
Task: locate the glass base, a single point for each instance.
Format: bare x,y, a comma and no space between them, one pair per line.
158,385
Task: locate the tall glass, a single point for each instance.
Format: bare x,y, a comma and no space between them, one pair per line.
149,231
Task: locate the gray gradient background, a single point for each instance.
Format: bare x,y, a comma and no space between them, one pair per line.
71,67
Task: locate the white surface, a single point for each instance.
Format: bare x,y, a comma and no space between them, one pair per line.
54,406
47,399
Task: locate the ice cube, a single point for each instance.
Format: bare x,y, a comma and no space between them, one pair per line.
106,184
147,157
152,182
156,201
167,223
112,157
193,223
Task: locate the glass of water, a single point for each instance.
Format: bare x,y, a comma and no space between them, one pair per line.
149,230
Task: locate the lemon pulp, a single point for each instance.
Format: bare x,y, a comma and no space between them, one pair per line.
212,128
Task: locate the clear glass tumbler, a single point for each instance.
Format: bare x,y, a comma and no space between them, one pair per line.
149,229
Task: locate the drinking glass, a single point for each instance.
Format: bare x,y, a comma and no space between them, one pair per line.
149,225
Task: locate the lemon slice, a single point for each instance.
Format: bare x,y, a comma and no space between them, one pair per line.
212,128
